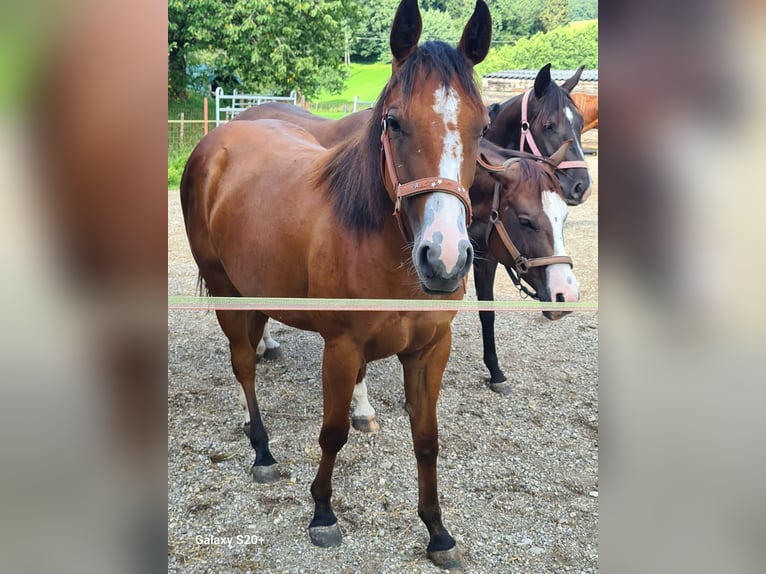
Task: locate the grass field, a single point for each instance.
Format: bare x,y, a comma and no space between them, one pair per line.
366,81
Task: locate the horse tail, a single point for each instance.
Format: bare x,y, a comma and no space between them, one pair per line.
202,289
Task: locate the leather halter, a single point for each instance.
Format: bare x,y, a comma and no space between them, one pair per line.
526,136
521,263
419,186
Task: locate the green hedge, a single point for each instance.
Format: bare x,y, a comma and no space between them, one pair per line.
565,48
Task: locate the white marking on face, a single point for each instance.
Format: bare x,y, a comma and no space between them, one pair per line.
447,104
445,212
569,113
561,279
556,210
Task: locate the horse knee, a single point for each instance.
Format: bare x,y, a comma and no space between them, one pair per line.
332,439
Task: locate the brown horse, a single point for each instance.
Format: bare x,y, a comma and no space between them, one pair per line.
327,132
269,212
550,106
588,106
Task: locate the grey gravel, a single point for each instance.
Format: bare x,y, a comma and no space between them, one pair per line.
518,474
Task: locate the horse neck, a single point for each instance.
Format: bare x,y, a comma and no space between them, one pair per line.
506,128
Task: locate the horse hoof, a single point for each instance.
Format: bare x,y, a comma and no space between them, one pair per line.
326,536
365,424
447,559
503,388
265,474
272,354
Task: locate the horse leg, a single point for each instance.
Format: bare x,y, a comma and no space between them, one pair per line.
362,414
341,364
243,329
271,349
484,279
423,373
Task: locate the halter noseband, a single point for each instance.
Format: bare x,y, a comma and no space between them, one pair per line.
521,264
419,186
526,136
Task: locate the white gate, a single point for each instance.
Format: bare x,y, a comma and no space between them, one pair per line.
235,103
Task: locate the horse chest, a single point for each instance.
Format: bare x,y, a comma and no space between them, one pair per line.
406,333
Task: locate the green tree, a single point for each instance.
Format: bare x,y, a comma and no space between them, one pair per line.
555,13
192,25
583,10
284,45
437,25
370,38
565,48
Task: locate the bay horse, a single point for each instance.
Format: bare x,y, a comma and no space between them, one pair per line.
271,213
587,105
550,119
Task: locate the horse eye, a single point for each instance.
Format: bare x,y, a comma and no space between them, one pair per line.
526,222
548,126
393,124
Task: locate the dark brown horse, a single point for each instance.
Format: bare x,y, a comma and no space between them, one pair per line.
539,121
269,212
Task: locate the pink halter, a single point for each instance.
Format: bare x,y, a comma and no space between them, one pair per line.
526,136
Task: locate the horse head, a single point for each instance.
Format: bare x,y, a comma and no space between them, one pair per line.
431,118
526,219
539,121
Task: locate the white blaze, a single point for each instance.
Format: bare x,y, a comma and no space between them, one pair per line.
580,153
448,210
560,277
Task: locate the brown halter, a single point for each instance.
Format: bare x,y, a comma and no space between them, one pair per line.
521,263
419,186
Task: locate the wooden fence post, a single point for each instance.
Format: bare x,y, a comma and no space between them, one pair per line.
182,129
204,115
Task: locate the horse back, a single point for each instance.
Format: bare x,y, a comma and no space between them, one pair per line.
588,106
327,132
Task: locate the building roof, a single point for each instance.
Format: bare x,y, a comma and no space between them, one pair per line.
556,75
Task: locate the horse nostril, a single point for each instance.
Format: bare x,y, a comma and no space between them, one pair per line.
578,190
468,260
421,259
560,298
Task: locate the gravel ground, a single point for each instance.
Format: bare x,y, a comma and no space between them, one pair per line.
518,475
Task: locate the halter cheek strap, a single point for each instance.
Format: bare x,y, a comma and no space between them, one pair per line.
526,136
418,186
520,263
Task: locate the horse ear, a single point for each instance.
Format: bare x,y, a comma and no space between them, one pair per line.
569,85
558,155
492,110
542,80
405,31
477,34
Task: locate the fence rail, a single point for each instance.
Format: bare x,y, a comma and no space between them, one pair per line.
240,102
188,127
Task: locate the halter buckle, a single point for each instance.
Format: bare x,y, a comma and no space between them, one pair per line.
521,264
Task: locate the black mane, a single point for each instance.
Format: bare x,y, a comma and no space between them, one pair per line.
354,175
